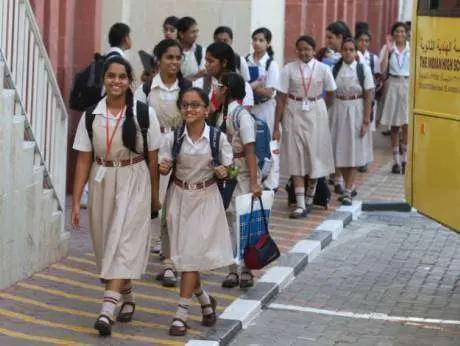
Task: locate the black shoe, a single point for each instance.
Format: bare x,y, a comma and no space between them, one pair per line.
299,213
102,326
338,189
386,133
353,194
404,167
396,169
362,169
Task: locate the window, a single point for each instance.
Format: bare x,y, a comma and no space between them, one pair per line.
439,8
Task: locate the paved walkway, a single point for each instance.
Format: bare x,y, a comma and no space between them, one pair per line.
59,305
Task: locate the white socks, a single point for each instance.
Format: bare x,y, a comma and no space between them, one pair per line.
182,311
203,299
396,155
404,152
311,189
300,197
109,304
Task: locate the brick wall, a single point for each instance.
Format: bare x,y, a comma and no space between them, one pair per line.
312,16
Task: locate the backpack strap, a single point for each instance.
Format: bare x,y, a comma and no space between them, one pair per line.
89,119
146,87
361,76
336,68
198,54
214,135
236,117
247,57
178,139
267,64
372,63
143,120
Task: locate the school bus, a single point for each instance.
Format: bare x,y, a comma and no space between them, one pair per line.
433,176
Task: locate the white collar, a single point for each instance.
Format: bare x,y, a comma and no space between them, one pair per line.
232,106
352,65
192,49
310,64
261,62
157,82
406,49
205,133
365,55
116,50
101,108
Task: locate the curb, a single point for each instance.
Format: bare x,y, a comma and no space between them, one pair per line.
245,308
399,206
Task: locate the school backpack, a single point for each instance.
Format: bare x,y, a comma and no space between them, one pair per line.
263,137
87,84
147,86
142,111
322,193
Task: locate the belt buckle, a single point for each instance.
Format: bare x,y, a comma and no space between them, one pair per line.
116,163
193,186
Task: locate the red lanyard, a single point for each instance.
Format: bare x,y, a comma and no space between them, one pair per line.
108,141
306,87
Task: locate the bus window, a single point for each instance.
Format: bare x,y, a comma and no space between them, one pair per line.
439,8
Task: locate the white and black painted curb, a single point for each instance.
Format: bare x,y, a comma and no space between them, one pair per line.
244,309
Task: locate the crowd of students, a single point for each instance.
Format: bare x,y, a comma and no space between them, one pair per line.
322,107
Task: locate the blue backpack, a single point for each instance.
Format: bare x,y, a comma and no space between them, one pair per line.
263,137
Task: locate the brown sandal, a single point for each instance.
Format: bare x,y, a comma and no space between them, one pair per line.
126,316
231,280
210,319
178,330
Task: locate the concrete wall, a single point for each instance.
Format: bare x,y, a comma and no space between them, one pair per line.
146,18
30,224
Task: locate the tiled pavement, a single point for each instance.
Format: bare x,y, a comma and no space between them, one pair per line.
59,305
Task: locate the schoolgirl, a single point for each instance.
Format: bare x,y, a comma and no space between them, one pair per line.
306,135
395,57
220,59
200,239
239,125
363,39
336,33
170,28
225,34
350,114
192,65
161,93
123,188
264,76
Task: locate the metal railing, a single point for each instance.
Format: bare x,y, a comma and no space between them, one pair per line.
30,74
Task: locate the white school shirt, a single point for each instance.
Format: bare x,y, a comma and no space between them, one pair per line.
244,69
399,61
271,75
189,66
349,84
83,143
248,100
199,148
247,130
166,93
290,81
366,60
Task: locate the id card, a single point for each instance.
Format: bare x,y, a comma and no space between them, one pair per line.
100,174
306,105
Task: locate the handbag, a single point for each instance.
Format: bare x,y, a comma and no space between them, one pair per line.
226,188
265,250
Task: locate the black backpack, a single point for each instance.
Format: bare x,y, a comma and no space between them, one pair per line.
142,111
87,84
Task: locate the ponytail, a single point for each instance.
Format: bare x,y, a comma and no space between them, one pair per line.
270,51
129,130
337,67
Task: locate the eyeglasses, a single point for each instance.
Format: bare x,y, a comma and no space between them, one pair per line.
193,106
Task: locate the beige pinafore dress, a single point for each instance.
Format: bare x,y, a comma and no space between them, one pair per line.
119,208
169,117
197,227
306,135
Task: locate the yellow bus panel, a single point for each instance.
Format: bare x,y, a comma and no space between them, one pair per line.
435,169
